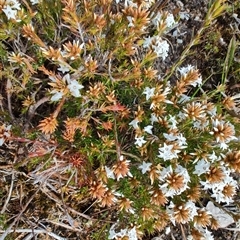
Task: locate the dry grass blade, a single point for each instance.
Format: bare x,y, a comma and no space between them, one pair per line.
9,194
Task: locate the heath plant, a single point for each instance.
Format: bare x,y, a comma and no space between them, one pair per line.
122,147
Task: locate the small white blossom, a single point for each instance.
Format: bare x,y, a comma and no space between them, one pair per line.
109,172
147,42
14,4
10,8
185,70
132,234
167,231
207,235
33,2
167,152
145,167
157,19
10,12
170,137
63,68
173,122
201,125
134,123
149,92
161,48
201,167
181,140
213,157
193,209
74,88
140,141
148,129
170,22
57,95
223,146
153,118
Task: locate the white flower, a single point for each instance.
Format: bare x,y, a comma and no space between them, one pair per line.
147,42
63,68
33,2
223,146
157,19
132,234
74,88
167,152
161,48
149,92
166,189
57,95
148,129
14,4
170,137
173,122
185,70
201,167
153,118
134,123
181,140
109,172
193,209
229,137
170,22
140,141
10,8
201,125
145,167
112,232
130,20
167,231
207,234
183,171
10,12
213,157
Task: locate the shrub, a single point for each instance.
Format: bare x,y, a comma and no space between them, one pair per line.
108,127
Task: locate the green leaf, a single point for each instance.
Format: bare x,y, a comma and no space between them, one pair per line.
229,58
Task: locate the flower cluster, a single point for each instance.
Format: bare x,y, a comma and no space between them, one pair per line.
10,8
